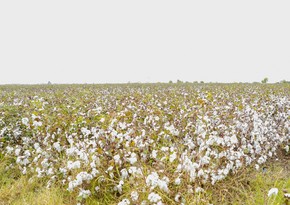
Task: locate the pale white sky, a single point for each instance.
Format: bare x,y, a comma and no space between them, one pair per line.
68,41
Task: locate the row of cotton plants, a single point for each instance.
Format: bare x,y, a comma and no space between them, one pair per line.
145,144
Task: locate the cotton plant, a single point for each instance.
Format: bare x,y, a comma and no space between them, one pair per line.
144,138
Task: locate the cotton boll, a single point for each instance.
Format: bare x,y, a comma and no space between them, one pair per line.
124,174
73,165
152,179
17,151
119,187
133,158
124,202
117,159
25,121
177,181
84,193
9,149
272,191
57,146
153,197
172,157
134,195
154,154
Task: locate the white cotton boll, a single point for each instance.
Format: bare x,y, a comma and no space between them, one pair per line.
124,173
133,158
25,162
73,165
177,181
85,131
27,153
84,176
36,145
234,139
204,160
84,193
94,172
152,179
119,187
272,191
134,171
172,157
102,120
122,125
164,149
24,171
9,149
39,172
57,146
25,121
261,160
37,123
72,185
144,202
200,173
257,167
63,170
199,189
226,171
163,185
110,168
17,151
117,159
287,195
93,164
70,151
177,198
153,197
154,154
124,202
287,148
97,188
111,175
50,171
134,195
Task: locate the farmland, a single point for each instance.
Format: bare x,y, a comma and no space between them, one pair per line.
143,143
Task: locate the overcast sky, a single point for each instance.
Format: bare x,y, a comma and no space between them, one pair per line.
68,41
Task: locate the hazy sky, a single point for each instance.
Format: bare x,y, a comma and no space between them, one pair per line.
68,41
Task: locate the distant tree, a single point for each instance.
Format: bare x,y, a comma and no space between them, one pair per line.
201,82
170,81
265,80
179,82
284,81
49,83
194,82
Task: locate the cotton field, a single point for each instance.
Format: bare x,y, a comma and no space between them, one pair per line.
141,143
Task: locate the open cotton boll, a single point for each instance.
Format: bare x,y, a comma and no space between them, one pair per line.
84,193
153,197
272,191
134,195
124,202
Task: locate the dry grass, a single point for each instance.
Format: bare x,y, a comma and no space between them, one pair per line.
250,186
246,187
